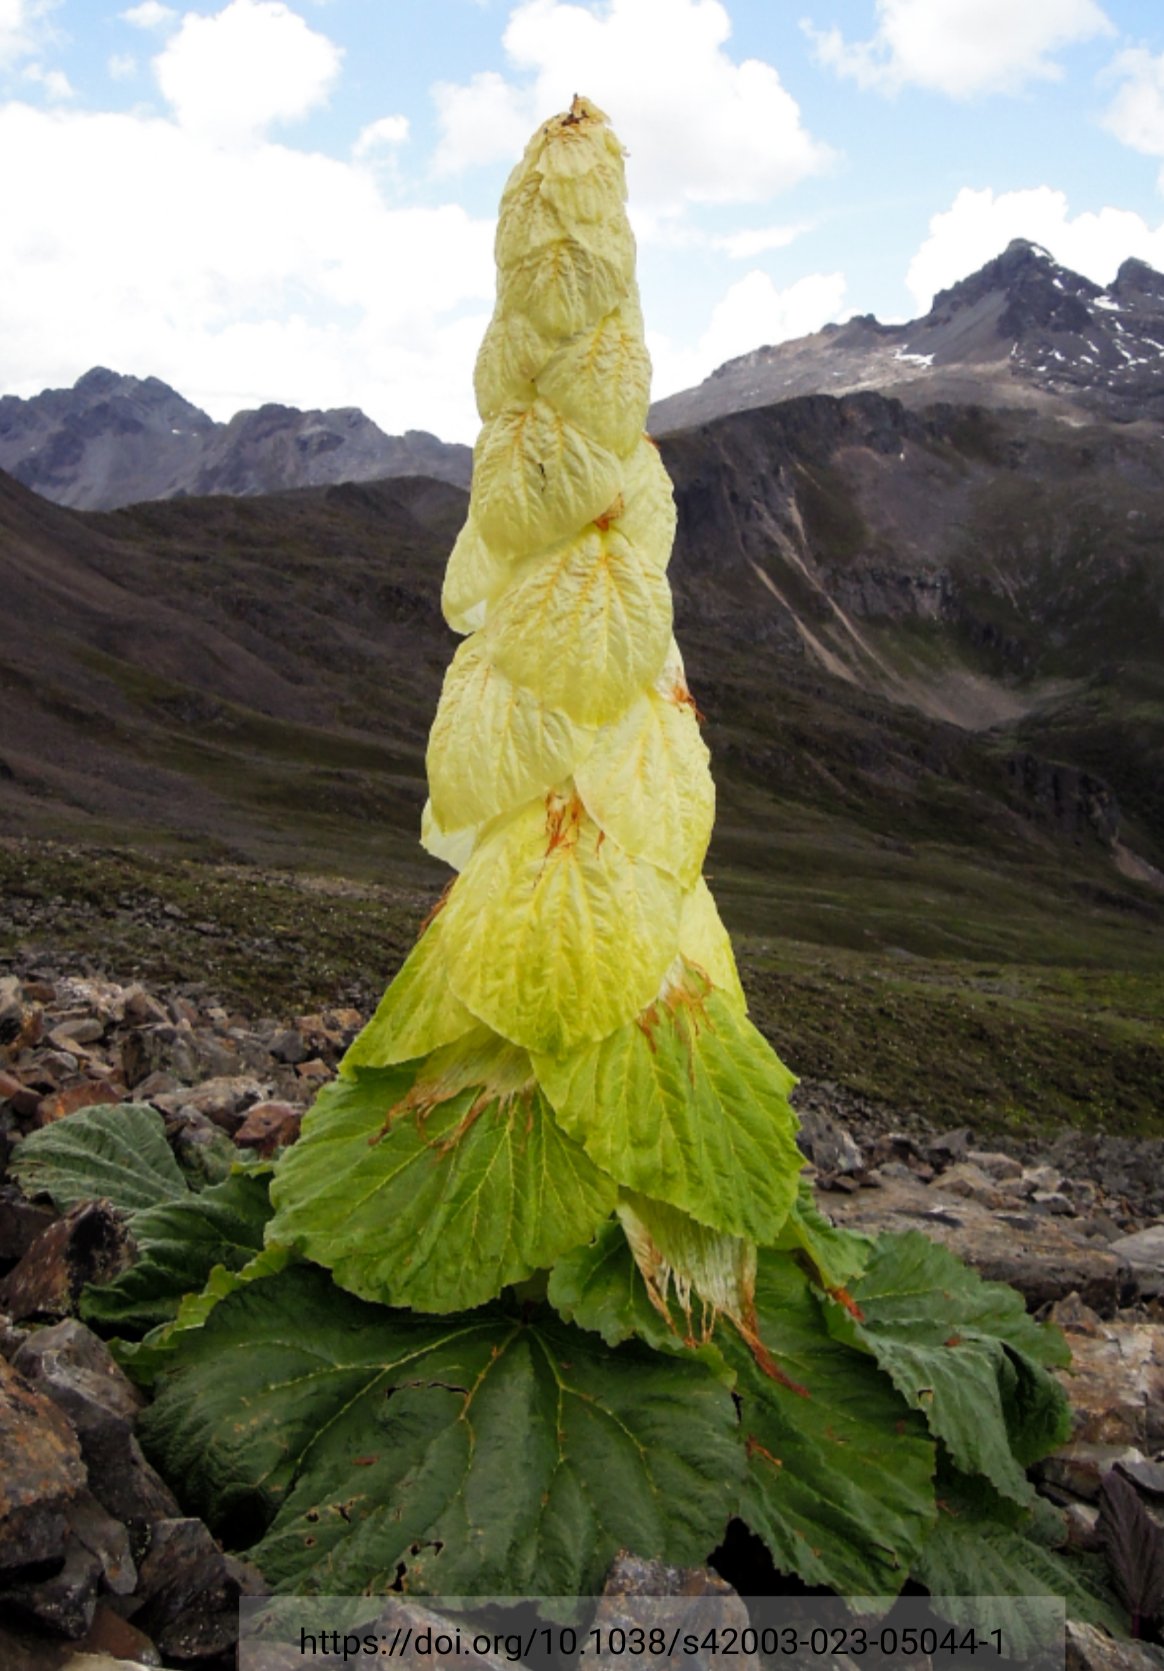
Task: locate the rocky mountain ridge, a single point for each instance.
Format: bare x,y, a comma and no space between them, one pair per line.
1021,331
113,440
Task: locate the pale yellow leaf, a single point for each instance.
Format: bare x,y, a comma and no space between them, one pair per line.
473,575
494,744
567,285
555,936
586,626
705,942
647,783
601,379
418,1013
511,356
538,479
452,847
647,515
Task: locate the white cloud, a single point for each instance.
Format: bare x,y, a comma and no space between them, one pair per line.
23,28
752,314
979,225
232,75
385,134
55,83
239,277
962,47
699,126
121,66
1136,114
756,240
151,14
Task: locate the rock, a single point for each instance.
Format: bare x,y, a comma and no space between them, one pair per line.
108,1540
191,1591
1144,1252
639,1593
21,1222
66,1600
115,1640
1047,1178
142,1007
60,1104
994,1163
1043,1257
288,1046
828,1144
78,1372
1078,1468
41,1473
314,1072
1091,1649
1054,1202
1083,1528
269,1126
222,1101
949,1146
966,1179
155,1085
21,1098
11,1009
1116,1383
89,1244
162,1048
77,1029
1147,1477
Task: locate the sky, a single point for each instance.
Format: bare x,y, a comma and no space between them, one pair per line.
294,200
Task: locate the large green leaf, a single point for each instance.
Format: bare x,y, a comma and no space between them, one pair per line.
984,1550
840,1474
686,1104
117,1151
478,1453
964,1353
837,1256
179,1244
437,1188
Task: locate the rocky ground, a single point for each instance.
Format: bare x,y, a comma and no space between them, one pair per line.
100,1568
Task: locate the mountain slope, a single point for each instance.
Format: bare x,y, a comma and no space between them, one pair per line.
113,440
1022,331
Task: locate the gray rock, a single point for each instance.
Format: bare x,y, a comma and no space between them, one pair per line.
191,1591
223,1101
76,1370
1078,1468
994,1163
89,1244
65,1601
41,1473
633,1597
108,1540
1044,1258
1091,1649
828,1144
1144,1252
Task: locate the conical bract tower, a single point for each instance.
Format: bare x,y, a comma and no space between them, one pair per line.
568,1040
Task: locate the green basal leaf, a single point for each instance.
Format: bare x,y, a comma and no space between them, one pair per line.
418,1013
836,1256
686,1104
479,1453
964,1353
146,1358
114,1151
840,1473
179,1244
436,1187
983,1550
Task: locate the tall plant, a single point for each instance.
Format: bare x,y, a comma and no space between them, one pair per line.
554,1283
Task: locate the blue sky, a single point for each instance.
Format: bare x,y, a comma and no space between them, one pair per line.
293,199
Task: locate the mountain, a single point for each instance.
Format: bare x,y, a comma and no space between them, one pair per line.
1022,331
113,440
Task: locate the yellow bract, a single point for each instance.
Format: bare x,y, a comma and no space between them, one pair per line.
704,941
537,479
567,285
647,782
601,379
647,513
418,1013
510,358
472,577
586,626
555,936
494,744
